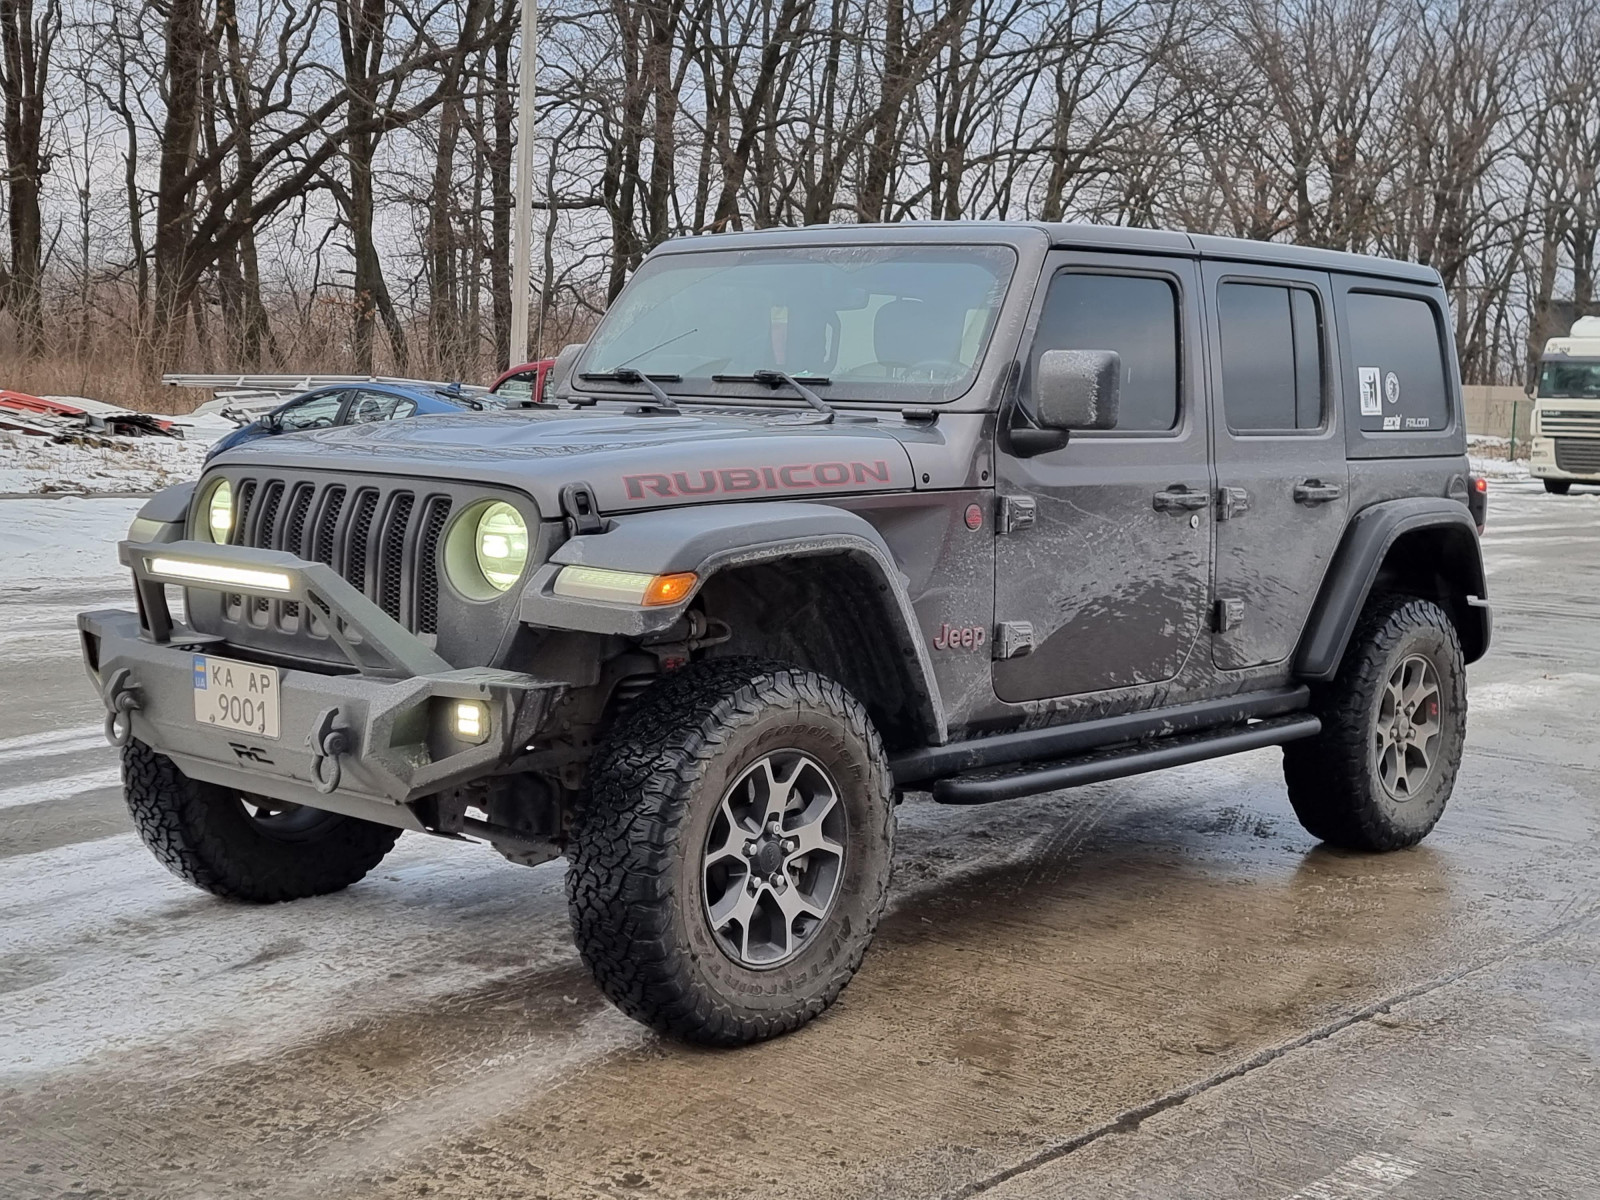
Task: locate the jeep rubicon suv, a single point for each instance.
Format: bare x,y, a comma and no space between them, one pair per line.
817,518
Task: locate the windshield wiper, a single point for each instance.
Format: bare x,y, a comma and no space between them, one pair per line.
633,375
776,379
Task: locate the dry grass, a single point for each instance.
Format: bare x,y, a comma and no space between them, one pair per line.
106,359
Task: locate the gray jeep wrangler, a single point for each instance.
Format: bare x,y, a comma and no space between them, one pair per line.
818,518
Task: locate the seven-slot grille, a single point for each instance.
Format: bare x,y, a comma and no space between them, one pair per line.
383,540
1581,456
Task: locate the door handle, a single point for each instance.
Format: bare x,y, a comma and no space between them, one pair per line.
1179,499
1314,491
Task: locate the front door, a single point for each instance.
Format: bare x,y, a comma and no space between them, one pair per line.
1283,487
1112,578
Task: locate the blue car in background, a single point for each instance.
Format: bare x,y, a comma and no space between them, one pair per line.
349,404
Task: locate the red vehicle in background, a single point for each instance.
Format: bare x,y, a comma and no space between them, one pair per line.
524,384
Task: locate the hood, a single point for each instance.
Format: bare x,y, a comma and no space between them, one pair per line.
631,461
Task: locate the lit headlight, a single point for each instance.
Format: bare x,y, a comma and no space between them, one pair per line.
502,545
219,512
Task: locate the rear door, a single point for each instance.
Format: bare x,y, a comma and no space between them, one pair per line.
1110,577
1282,479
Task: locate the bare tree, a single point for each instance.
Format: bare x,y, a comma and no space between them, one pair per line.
27,37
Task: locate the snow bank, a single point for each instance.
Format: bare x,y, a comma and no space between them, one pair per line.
32,464
68,540
1498,468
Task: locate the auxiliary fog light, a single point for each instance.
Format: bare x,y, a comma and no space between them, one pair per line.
245,578
624,587
471,721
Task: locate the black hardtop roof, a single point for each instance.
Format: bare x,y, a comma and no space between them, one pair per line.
1068,237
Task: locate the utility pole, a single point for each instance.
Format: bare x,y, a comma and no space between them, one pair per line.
522,231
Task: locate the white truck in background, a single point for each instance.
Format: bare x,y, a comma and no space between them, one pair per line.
1566,409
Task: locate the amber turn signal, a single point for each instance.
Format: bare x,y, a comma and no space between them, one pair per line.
669,589
624,587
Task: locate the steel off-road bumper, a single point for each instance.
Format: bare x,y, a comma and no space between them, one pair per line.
368,743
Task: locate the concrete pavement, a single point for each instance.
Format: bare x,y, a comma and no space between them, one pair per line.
1156,987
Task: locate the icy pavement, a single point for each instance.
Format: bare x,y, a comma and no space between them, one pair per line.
1159,987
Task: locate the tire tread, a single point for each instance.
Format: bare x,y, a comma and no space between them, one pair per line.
620,882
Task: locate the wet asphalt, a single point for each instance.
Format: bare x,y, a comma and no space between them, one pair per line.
1159,987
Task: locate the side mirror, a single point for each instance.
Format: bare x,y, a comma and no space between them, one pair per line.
1077,389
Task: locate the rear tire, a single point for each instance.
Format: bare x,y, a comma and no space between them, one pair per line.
1394,721
244,847
732,860
1558,487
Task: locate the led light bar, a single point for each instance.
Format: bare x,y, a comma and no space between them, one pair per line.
623,587
246,578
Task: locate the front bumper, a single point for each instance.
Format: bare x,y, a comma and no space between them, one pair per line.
393,742
1543,464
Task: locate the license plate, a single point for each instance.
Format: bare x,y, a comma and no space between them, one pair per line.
236,695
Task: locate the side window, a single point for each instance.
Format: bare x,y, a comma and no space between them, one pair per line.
1400,375
1271,358
518,387
316,413
1135,315
379,406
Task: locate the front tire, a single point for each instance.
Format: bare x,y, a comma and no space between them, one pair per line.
1558,487
244,847
733,858
1394,721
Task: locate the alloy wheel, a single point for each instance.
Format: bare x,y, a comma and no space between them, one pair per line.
1406,739
774,859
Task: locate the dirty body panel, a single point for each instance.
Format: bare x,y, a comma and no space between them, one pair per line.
819,517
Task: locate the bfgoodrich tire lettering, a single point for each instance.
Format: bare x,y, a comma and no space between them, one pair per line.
1406,650
637,884
239,846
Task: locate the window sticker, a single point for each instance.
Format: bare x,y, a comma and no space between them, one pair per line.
1390,423
1391,388
1371,398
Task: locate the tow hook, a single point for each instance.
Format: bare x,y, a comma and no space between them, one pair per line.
121,696
327,743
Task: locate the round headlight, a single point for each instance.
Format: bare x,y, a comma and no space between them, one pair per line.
502,545
219,512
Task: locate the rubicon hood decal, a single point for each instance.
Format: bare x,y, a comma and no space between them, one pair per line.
629,461
790,477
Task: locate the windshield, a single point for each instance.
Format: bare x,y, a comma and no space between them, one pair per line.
1570,380
893,324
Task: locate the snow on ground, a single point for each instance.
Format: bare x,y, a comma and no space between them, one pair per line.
48,541
1498,468
31,464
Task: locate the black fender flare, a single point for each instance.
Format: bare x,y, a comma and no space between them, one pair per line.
164,517
715,537
1370,536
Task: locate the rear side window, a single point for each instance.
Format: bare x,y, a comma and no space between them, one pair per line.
1271,358
1135,315
1400,375
379,406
